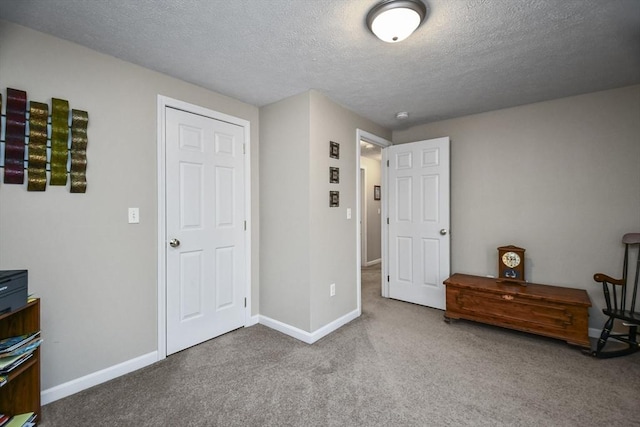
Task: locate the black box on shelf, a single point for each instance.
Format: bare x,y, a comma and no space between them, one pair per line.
13,290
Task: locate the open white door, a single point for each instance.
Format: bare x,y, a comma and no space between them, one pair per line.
205,226
419,242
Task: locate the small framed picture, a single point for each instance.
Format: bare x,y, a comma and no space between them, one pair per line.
334,199
334,175
376,192
334,150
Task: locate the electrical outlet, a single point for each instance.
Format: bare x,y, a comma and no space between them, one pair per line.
134,215
332,290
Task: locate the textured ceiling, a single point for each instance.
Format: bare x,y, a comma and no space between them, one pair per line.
468,57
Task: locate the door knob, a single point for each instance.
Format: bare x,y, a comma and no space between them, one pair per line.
443,231
174,243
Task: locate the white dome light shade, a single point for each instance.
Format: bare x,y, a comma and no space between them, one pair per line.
395,20
395,25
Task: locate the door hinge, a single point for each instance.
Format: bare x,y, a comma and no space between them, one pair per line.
245,302
387,278
387,220
245,226
387,163
244,148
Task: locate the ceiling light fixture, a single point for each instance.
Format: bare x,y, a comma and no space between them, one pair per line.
402,115
394,20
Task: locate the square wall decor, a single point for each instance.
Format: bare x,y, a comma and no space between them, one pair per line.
334,150
334,175
334,199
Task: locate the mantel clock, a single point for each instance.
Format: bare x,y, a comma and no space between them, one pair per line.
511,264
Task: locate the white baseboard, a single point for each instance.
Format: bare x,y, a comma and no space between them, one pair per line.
308,337
374,262
594,333
253,320
99,377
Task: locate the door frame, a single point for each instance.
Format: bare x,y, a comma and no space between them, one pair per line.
164,102
363,217
362,135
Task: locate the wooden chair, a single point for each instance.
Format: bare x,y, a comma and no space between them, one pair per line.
615,294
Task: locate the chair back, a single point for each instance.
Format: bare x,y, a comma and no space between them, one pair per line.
617,310
629,240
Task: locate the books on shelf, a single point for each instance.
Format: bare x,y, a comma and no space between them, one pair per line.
13,347
20,366
16,350
9,344
8,364
28,347
23,420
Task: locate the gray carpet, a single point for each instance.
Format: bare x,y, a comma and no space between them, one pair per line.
398,364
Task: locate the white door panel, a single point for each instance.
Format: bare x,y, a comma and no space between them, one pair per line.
191,266
418,182
205,213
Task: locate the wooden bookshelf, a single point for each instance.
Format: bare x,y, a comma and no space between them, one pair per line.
21,393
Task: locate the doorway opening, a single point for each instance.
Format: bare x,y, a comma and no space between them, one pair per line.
371,203
371,208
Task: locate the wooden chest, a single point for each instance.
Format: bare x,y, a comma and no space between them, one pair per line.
551,311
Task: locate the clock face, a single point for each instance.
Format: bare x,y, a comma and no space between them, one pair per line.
511,259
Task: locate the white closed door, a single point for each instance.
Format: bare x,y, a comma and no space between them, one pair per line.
205,228
419,242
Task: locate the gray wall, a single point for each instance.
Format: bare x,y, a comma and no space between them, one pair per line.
96,274
306,245
333,237
559,178
284,209
372,177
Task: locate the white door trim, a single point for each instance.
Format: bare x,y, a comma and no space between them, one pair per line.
362,135
163,103
384,179
363,218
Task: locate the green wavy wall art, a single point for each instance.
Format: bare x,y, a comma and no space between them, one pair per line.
37,163
54,143
59,141
79,122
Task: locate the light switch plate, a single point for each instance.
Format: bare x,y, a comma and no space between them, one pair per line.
348,213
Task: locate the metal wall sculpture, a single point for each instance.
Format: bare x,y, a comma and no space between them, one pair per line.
15,130
79,121
49,144
59,141
37,169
